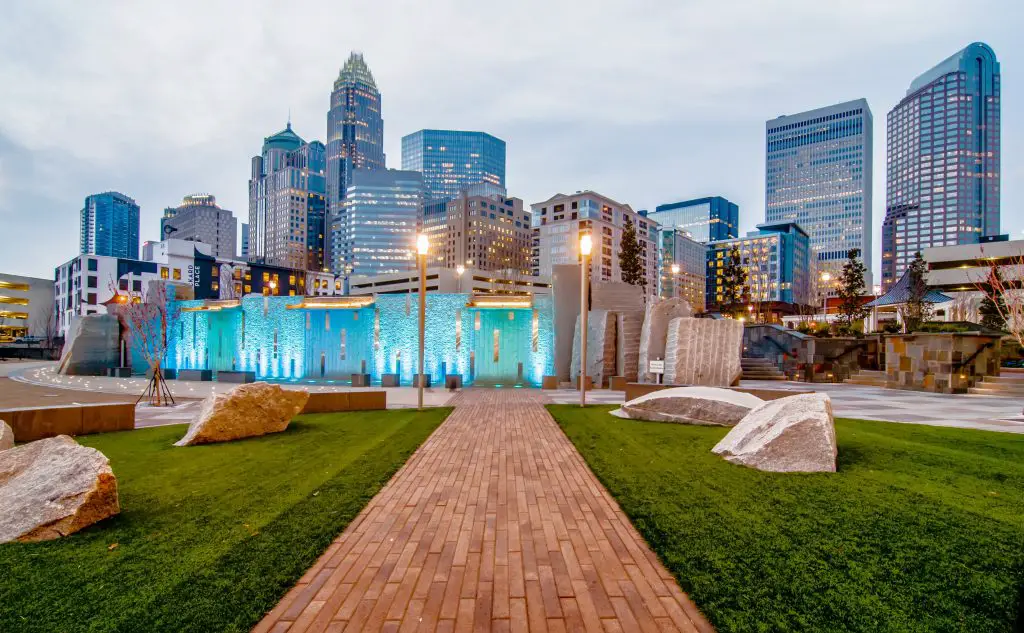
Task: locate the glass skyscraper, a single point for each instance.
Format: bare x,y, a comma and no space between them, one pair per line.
377,234
818,175
943,160
355,134
110,226
451,160
704,219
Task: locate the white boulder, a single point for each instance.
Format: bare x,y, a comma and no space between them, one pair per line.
53,487
248,410
795,434
691,405
654,331
6,436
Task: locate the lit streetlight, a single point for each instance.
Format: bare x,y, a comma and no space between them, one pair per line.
422,245
675,280
825,278
586,245
458,271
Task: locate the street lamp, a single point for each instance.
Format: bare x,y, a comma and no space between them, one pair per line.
422,245
675,280
458,271
825,278
586,245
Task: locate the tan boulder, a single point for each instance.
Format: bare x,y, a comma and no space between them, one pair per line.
795,434
6,436
704,352
654,332
711,406
53,487
246,411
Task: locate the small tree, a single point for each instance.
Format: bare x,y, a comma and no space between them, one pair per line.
629,258
1004,294
734,283
851,289
993,305
147,317
916,310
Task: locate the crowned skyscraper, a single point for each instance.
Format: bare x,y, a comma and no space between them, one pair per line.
355,138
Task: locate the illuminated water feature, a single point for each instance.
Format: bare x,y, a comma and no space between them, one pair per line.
486,340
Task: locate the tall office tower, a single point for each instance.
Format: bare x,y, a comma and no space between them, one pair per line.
244,254
704,219
355,135
110,226
286,200
943,160
818,175
200,219
451,160
383,210
562,219
479,229
678,249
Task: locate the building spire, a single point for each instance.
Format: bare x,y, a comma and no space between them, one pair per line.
289,125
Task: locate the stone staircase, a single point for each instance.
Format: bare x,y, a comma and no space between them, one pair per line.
1009,384
867,377
757,368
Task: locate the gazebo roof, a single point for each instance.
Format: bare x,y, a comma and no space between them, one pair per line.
900,293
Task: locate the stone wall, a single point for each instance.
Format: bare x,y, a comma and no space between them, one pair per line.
628,327
601,344
703,352
941,363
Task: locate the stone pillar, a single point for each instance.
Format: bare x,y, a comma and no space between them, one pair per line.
654,331
703,352
601,358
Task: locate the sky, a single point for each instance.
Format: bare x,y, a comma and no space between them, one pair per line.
644,101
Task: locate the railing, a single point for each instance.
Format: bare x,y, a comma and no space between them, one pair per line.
977,352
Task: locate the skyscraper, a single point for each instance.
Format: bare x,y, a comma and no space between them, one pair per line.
244,251
704,219
286,201
818,175
376,233
355,134
943,160
451,160
110,226
200,219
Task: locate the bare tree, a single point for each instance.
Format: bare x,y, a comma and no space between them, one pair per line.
46,325
1002,288
147,316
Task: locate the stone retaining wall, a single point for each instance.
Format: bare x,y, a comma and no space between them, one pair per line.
941,363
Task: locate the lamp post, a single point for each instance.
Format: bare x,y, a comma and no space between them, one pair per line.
458,272
750,311
422,245
825,278
585,247
675,280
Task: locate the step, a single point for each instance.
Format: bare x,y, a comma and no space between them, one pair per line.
763,373
983,391
1005,380
867,382
775,378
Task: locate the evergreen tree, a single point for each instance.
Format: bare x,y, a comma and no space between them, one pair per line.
851,289
992,312
629,258
734,283
916,310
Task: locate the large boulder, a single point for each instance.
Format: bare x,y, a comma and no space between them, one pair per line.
691,405
90,346
248,410
6,436
654,332
795,434
703,352
53,487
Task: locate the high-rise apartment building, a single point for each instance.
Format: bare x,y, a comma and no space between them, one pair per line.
200,219
244,250
818,175
355,135
703,219
382,212
561,220
683,267
451,160
943,160
286,202
110,225
776,259
480,230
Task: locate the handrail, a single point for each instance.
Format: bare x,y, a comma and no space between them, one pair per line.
970,359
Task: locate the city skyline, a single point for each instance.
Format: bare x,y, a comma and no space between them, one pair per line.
661,152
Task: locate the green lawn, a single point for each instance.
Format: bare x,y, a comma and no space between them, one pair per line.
922,528
209,537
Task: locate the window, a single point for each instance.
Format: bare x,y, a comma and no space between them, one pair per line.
177,274
91,299
90,282
163,272
91,264
137,285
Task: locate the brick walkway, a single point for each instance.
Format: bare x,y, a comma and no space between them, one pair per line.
494,524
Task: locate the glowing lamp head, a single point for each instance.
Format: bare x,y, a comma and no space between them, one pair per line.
422,244
460,269
675,269
826,277
273,285
586,245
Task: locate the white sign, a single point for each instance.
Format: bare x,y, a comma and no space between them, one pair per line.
657,366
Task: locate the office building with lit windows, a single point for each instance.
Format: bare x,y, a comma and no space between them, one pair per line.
704,219
200,219
776,258
818,174
943,160
561,220
451,160
676,248
382,213
26,307
110,225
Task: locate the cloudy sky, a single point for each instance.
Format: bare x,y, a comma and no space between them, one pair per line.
644,101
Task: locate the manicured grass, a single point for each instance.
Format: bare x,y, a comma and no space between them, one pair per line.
922,528
209,537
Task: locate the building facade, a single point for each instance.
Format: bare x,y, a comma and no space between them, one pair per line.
355,135
26,308
110,225
375,233
704,219
561,220
818,172
451,160
943,160
287,200
244,249
448,280
676,248
200,219
776,258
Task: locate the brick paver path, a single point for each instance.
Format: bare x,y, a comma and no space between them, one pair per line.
494,524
